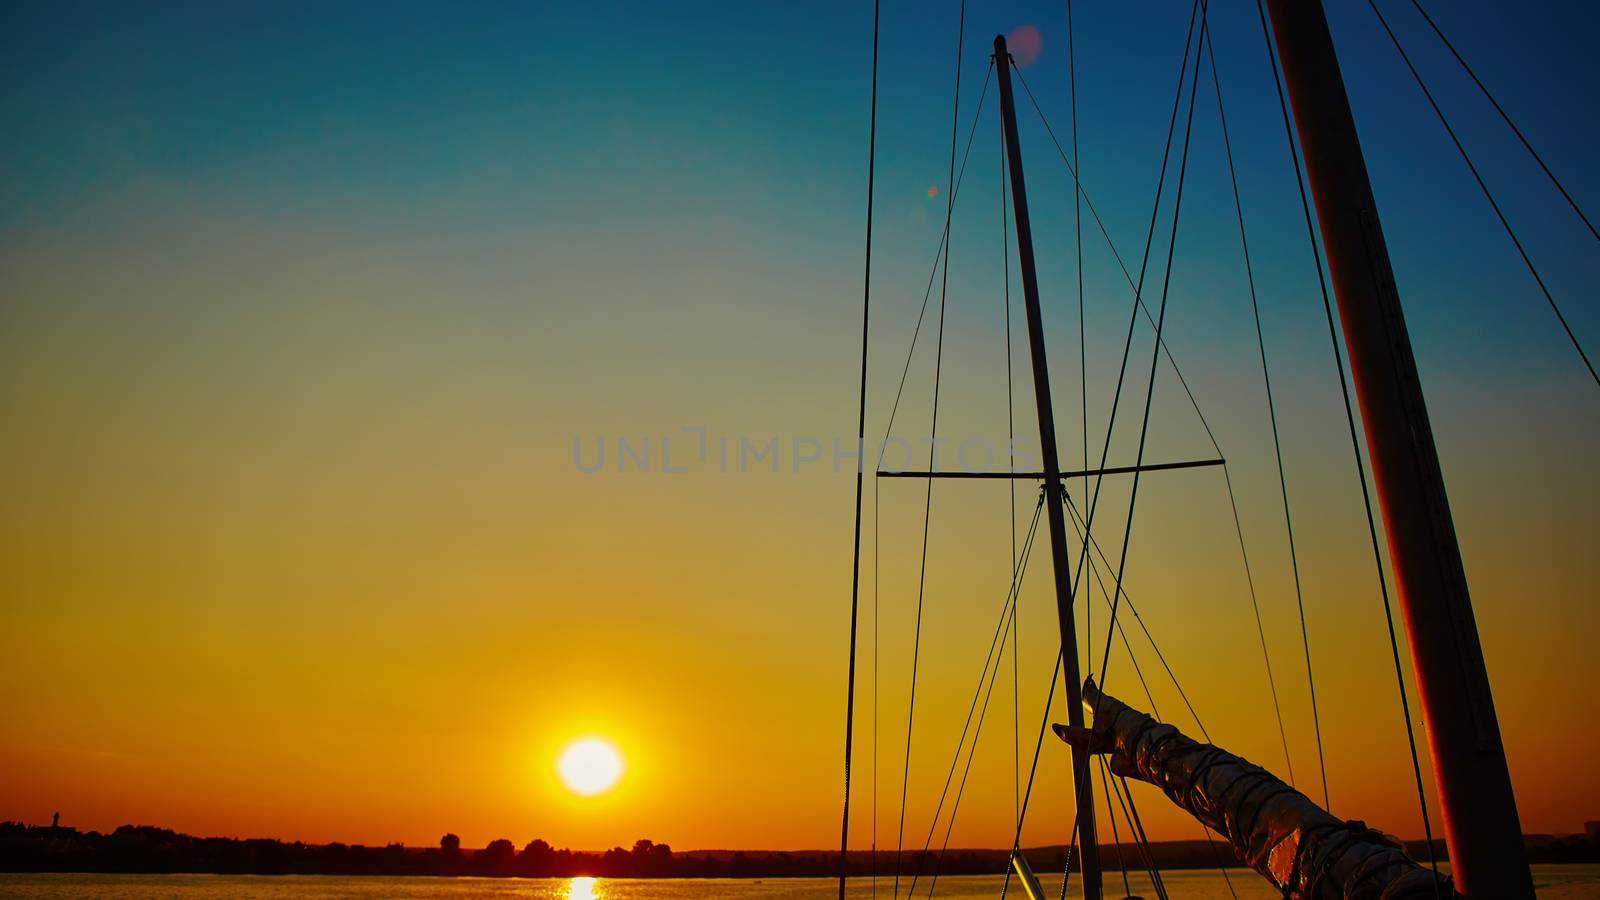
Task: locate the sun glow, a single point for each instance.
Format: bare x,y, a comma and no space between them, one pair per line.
582,889
590,766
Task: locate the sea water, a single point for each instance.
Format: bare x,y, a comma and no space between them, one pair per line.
1552,881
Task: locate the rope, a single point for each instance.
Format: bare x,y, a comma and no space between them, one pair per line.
861,437
933,429
1327,306
1507,119
1272,411
1487,195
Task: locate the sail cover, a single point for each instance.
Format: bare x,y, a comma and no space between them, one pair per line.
1302,849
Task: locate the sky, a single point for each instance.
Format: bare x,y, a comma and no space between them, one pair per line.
313,319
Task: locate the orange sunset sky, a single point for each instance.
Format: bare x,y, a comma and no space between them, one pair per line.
303,315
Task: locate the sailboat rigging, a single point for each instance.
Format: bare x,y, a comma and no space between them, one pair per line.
1481,825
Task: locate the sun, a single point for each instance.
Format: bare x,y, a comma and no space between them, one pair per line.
590,766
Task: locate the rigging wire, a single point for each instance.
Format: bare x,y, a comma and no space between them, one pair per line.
933,428
1018,573
1338,360
1155,360
1116,836
1011,484
1076,518
933,273
861,437
1127,276
1130,813
1066,864
876,568
1366,496
938,863
1506,117
1487,194
1138,670
1233,504
994,642
1077,239
1272,411
876,506
1049,696
1033,769
1077,522
1094,570
1161,317
1159,346
1127,344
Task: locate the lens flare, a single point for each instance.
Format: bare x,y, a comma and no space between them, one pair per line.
1025,44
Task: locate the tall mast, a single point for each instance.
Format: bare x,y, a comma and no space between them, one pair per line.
1087,848
1469,763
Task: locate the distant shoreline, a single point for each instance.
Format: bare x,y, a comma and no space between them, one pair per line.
146,849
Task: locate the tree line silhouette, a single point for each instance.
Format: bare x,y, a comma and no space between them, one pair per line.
148,849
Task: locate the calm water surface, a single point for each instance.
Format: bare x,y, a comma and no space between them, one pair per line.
1558,882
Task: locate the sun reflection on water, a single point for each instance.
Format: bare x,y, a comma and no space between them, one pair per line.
582,889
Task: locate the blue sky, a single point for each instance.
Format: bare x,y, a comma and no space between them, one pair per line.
496,118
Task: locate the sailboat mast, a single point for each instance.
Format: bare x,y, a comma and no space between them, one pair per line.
1469,763
1088,849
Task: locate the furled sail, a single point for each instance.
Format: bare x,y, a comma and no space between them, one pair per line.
1303,850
